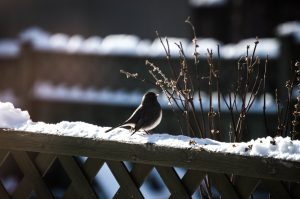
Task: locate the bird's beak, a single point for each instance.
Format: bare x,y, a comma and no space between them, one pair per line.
157,94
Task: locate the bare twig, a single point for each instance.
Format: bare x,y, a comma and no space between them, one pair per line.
264,95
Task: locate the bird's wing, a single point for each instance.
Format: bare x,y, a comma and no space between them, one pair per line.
148,118
136,115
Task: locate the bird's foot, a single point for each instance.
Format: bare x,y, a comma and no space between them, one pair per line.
132,133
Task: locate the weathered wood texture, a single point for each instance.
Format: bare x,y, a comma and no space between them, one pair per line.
202,167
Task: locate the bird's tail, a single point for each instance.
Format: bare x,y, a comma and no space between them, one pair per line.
120,125
112,128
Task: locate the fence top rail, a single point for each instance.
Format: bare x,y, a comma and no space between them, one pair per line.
195,158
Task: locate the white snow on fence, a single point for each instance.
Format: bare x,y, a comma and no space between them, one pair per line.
290,28
266,46
131,45
207,3
11,116
278,147
9,48
49,92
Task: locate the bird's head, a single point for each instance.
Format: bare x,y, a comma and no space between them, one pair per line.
149,97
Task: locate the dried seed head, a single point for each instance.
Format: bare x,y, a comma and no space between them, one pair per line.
297,64
214,132
195,42
273,142
188,19
288,84
256,42
159,82
192,142
128,74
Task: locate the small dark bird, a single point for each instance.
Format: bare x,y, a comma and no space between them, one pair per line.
146,117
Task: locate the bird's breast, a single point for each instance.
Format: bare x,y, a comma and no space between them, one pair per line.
155,123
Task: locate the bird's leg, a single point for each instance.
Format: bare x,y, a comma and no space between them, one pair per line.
146,132
131,129
132,133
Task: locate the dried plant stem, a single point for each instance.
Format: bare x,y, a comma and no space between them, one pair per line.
279,114
289,86
295,133
230,108
201,125
181,87
168,54
295,122
264,96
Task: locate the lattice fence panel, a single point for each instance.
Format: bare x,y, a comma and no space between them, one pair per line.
38,160
82,175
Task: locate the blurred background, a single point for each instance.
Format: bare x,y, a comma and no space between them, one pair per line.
224,20
60,60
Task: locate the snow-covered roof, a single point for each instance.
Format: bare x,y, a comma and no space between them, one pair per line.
278,147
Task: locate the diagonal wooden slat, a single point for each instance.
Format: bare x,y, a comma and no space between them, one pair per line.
43,163
79,180
223,185
30,170
295,190
173,182
71,193
3,192
276,188
24,189
138,174
124,179
3,155
90,168
245,185
192,180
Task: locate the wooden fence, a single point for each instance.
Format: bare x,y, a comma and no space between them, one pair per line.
280,178
20,73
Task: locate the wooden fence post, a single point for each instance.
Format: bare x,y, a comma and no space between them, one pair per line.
27,60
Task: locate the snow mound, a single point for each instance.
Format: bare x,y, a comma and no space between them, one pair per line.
11,117
278,147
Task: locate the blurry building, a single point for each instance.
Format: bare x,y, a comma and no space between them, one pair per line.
225,20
